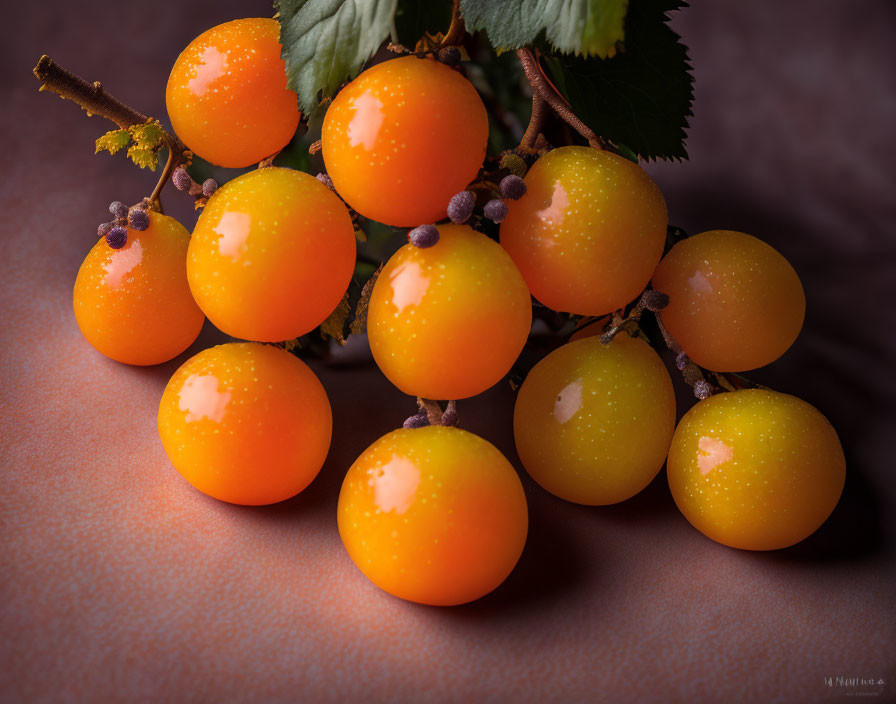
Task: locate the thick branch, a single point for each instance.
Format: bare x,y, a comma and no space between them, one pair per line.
97,101
542,87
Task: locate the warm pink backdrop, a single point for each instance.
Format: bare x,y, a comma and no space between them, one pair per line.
118,582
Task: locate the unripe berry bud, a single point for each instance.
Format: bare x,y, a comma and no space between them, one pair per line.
450,55
514,164
424,236
654,300
138,219
418,421
103,229
326,180
681,361
460,207
495,210
117,237
702,390
513,187
118,209
209,186
181,179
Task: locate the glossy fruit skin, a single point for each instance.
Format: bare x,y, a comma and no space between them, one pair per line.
272,255
735,303
133,304
448,321
402,138
434,515
755,469
589,231
593,422
246,423
227,96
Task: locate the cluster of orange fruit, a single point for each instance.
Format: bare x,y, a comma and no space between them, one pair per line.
435,514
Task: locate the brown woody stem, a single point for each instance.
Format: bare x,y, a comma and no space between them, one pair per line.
435,414
536,120
543,88
97,101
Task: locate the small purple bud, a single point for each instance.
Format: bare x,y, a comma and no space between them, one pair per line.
460,207
117,237
654,300
513,187
103,229
424,236
118,209
682,361
326,180
495,210
181,179
702,390
450,55
209,186
418,421
138,219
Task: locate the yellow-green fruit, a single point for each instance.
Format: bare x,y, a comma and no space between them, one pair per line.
756,469
589,231
593,422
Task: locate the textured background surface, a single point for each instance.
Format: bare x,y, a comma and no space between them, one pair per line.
118,582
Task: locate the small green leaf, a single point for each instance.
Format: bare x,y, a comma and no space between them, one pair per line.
623,150
148,135
641,98
589,27
113,141
144,158
325,42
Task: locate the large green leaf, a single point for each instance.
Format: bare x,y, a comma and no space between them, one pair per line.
641,98
589,27
325,42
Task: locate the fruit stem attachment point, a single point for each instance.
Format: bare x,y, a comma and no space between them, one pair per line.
435,415
542,87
